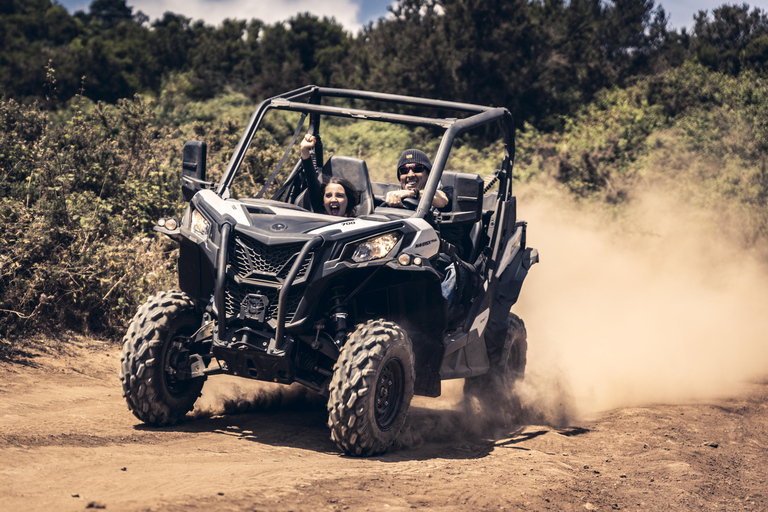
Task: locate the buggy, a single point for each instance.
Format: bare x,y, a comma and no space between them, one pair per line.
351,308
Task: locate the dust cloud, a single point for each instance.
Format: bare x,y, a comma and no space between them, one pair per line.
654,305
226,395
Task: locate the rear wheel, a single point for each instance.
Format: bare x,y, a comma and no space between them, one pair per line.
517,355
156,356
371,388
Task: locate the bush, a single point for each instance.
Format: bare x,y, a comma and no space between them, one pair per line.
78,200
697,134
600,151
81,189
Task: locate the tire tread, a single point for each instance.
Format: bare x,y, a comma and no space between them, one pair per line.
142,348
353,428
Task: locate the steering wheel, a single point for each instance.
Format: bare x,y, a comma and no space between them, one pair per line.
410,203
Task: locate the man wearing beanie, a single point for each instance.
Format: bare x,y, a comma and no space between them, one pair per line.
412,170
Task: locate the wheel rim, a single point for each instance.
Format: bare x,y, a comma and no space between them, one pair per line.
173,384
389,393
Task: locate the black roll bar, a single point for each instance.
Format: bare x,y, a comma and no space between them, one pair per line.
221,275
457,128
297,101
400,99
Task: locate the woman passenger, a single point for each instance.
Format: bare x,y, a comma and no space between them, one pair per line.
338,196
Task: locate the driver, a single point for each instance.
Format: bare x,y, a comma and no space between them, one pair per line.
412,170
413,167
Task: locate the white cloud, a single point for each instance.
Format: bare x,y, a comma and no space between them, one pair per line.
215,11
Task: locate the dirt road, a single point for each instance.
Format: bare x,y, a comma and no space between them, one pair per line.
67,442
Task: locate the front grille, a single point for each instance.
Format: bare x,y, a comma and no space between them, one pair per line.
253,260
234,296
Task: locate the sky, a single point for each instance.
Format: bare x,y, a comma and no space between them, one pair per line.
352,14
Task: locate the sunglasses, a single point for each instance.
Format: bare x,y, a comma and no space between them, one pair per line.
416,168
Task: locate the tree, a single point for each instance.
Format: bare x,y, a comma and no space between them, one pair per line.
732,39
110,12
408,54
304,50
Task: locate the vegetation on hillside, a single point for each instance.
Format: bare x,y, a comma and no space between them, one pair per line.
607,100
79,193
698,134
540,59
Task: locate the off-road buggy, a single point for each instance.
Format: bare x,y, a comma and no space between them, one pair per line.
351,308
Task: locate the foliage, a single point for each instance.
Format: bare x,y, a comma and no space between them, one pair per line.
540,59
697,132
732,39
78,199
80,192
603,140
117,53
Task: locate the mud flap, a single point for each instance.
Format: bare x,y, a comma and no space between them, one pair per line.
465,356
508,288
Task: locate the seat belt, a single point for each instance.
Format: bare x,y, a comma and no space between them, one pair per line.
282,160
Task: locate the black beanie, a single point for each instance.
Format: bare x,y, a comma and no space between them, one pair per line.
414,156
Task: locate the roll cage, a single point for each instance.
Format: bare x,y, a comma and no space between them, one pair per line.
308,101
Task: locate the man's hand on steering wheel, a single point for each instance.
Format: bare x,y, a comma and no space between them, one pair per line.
395,198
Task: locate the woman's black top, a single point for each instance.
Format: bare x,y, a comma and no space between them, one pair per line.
313,185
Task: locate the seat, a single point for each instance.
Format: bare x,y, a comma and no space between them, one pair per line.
477,233
461,221
355,171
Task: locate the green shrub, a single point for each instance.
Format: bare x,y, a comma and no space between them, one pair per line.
696,133
600,150
77,196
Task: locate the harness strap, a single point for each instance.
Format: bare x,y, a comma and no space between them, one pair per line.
282,160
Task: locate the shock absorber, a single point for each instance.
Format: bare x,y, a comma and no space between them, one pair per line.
338,313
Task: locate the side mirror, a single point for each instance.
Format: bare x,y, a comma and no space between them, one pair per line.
193,168
467,204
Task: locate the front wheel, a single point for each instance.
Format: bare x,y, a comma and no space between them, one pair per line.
371,388
155,357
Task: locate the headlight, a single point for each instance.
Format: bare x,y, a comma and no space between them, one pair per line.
375,248
200,225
